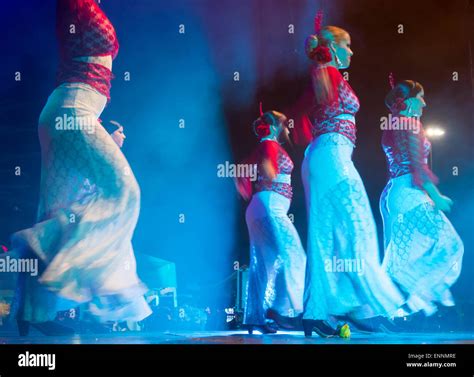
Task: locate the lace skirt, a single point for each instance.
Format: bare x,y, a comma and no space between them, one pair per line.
277,259
423,252
84,246
344,275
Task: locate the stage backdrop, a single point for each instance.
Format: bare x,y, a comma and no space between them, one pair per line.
189,77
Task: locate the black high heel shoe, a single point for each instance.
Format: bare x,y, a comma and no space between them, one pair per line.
23,327
377,324
287,323
324,329
264,329
51,328
48,328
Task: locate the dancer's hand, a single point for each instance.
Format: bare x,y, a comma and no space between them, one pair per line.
443,203
244,187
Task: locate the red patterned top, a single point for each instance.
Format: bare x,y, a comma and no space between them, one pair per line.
324,116
407,151
84,30
272,152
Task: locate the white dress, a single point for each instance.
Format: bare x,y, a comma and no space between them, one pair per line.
344,275
84,246
423,252
277,257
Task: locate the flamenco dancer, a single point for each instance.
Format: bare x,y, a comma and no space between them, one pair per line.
423,252
84,248
277,258
341,226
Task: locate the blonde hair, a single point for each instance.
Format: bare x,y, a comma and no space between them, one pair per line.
323,87
332,34
280,118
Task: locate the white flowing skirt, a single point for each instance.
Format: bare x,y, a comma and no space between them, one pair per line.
423,252
84,246
277,259
344,275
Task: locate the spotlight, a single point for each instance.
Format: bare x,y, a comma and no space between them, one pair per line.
434,132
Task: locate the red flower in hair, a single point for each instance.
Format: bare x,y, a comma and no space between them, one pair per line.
322,54
398,105
262,130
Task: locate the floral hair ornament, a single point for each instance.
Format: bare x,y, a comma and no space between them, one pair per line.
318,22
319,53
399,103
261,128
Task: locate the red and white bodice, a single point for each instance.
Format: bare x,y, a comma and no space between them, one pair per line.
84,30
274,154
407,151
339,114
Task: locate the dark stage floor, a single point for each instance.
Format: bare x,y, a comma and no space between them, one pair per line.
240,337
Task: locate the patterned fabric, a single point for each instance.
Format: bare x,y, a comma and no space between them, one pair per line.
84,30
284,189
343,275
282,165
277,260
95,75
423,252
341,126
82,238
407,152
346,102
